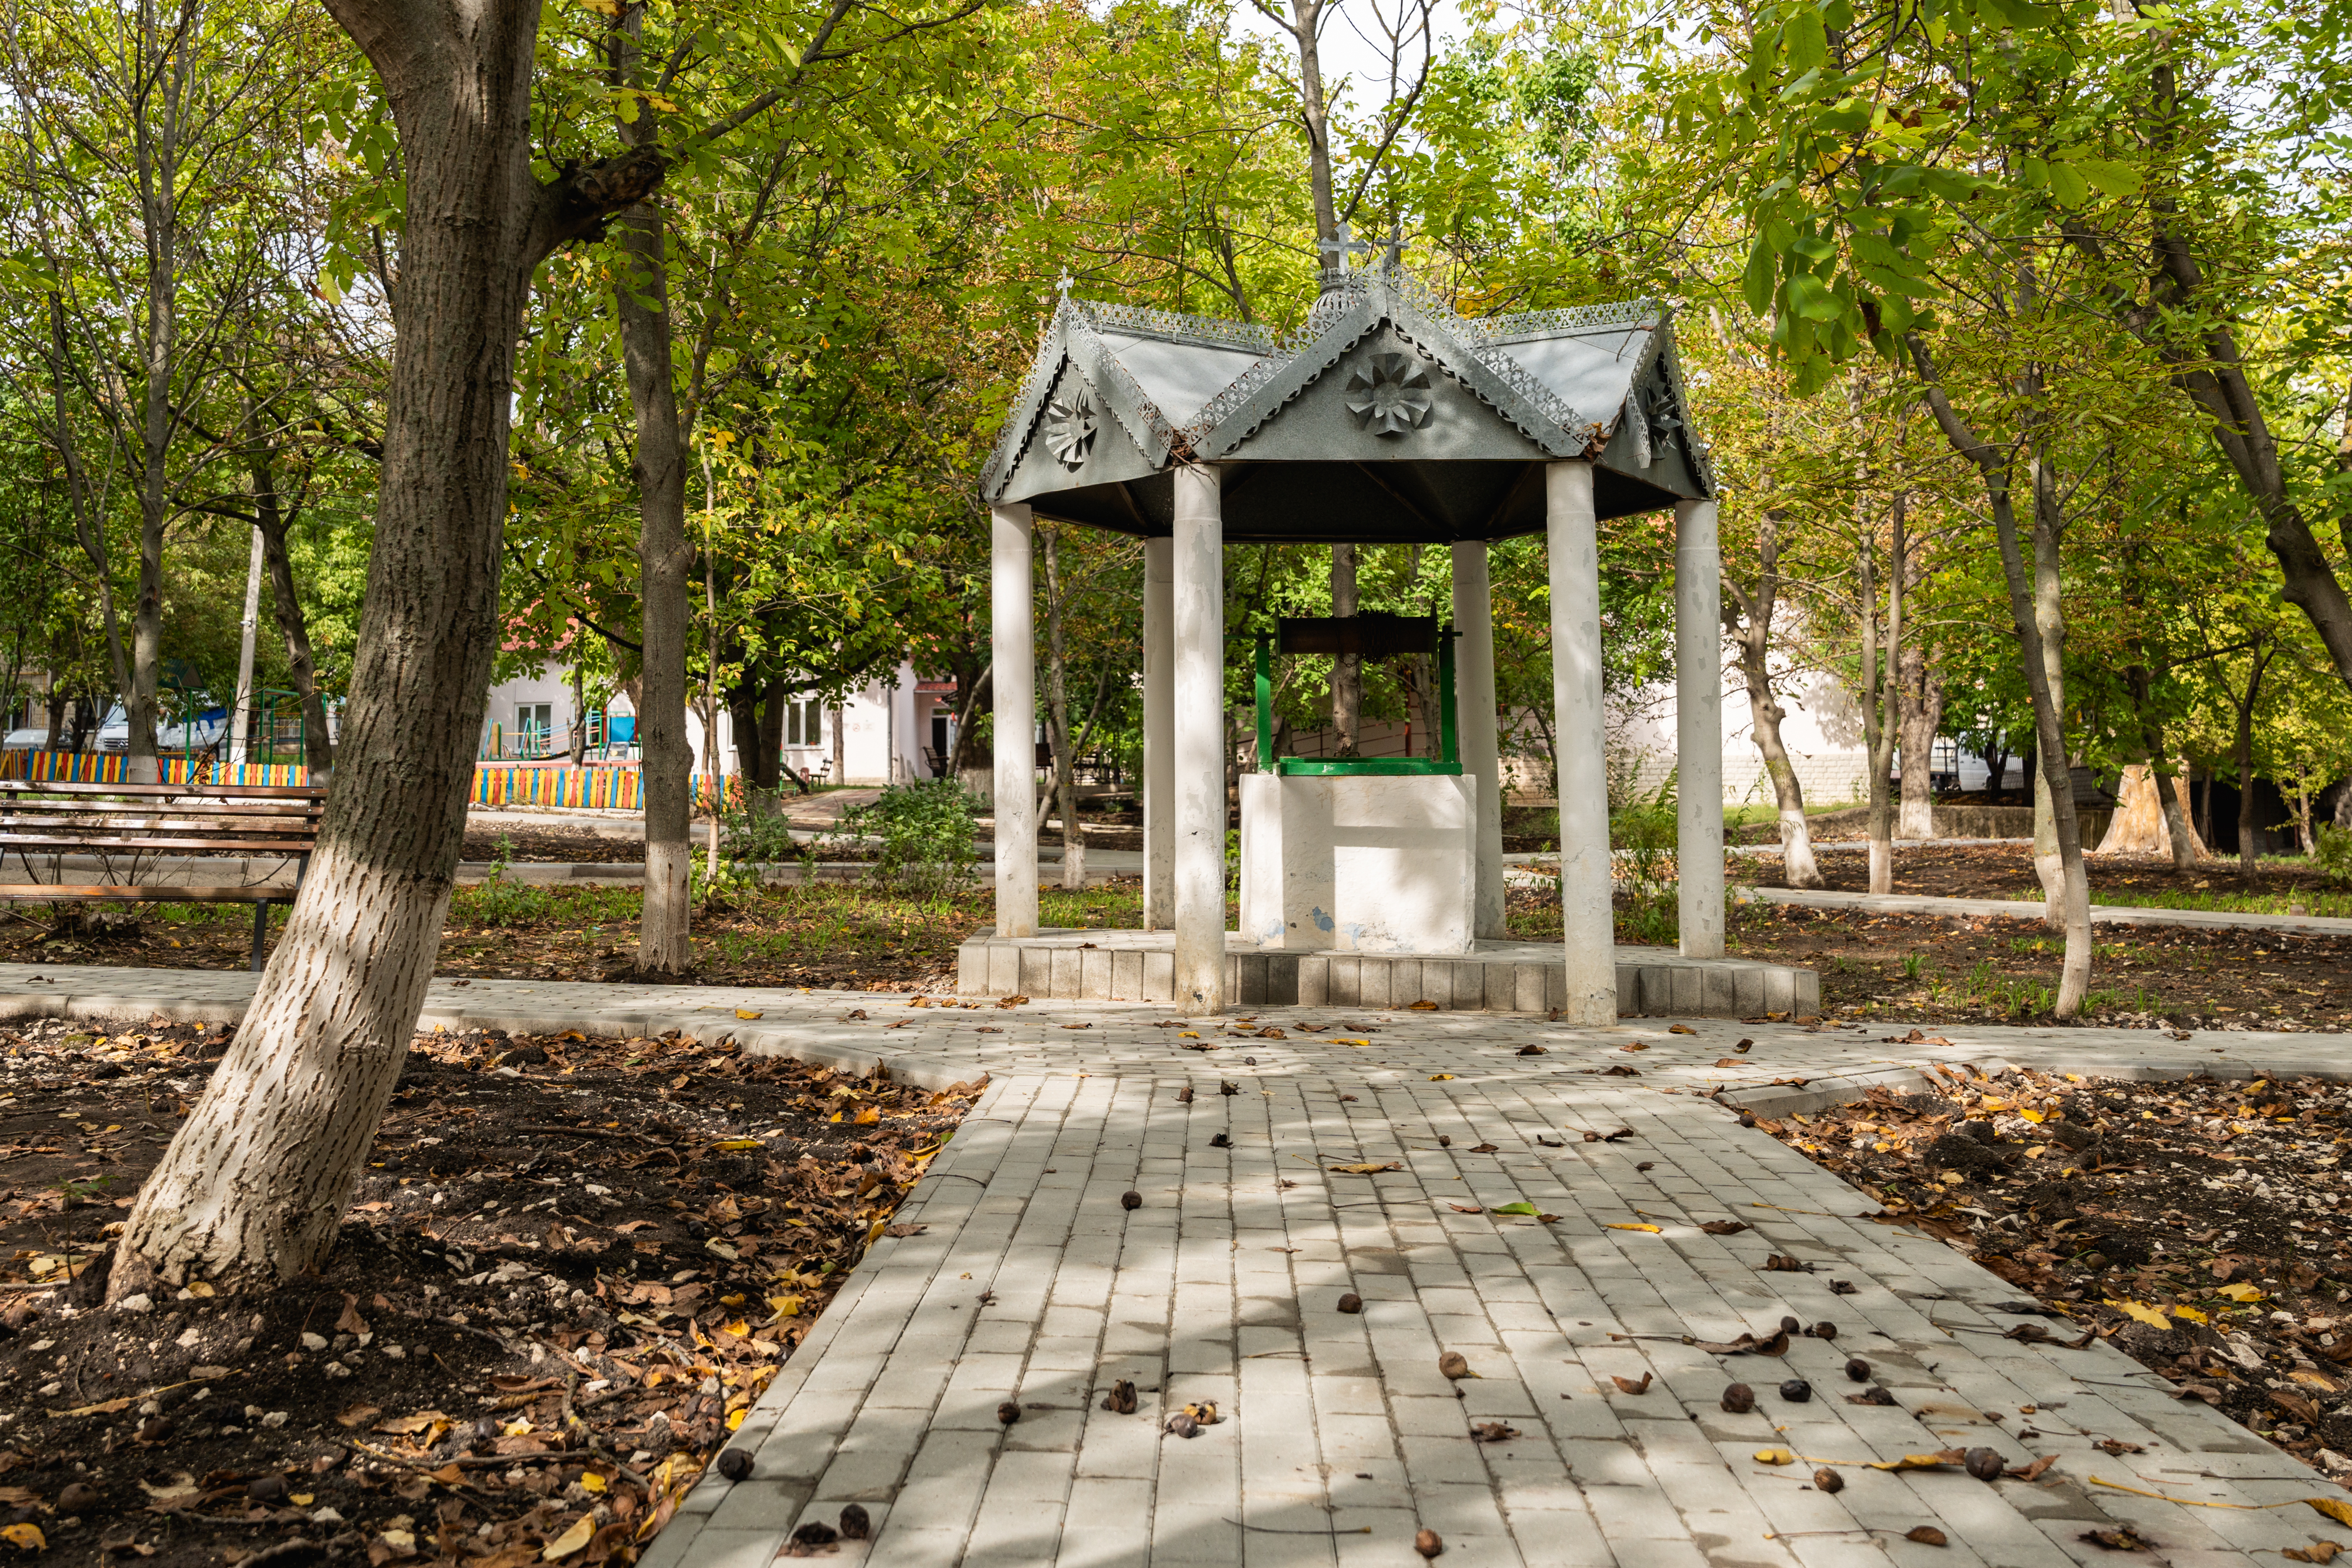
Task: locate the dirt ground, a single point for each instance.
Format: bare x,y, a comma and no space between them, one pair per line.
2006,870
582,846
2199,1226
571,1266
1928,969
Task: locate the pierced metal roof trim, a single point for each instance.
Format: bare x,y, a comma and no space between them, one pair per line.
1532,368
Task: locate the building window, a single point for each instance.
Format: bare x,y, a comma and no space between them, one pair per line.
534,726
804,723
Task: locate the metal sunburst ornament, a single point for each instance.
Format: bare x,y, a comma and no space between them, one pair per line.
1070,430
1390,395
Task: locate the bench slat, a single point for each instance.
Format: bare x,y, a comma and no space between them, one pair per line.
129,893
287,845
231,791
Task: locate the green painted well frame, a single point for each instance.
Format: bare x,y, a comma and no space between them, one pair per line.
1447,763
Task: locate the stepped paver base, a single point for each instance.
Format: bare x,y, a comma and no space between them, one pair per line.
2031,909
1495,976
1338,1439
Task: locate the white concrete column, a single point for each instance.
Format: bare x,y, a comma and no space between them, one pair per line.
1698,729
1159,735
1198,614
1474,714
1013,635
1584,868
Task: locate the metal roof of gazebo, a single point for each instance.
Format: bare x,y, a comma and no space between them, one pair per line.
1386,418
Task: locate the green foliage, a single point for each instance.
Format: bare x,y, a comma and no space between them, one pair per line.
2331,853
496,899
925,831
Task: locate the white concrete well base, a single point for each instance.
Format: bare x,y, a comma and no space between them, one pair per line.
1495,976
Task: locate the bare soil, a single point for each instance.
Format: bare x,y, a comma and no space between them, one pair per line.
2196,1224
2006,871
571,1265
1930,969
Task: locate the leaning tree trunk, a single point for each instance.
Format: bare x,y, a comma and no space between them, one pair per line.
293,627
252,1189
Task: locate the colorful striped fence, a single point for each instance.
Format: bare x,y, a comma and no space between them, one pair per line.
596,787
106,767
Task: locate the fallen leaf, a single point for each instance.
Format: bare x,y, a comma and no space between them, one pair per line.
2034,1471
1629,1385
572,1539
2123,1540
1618,1224
1786,1263
1728,1062
2318,1552
358,1416
2151,1316
1366,1169
748,1013
27,1536
408,1425
1497,1432
1775,1457
1723,1227
1522,1207
1680,1029
1923,1461
1926,1535
2243,1294
1421,1007
2334,1508
1482,1149
1466,1208
1440,1077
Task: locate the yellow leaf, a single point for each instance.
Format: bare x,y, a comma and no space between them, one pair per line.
2242,1293
868,1117
303,1498
2194,1316
1439,1077
1613,1226
749,1013
27,1536
1919,1461
786,1306
1351,1041
2314,1379
835,1117
518,1427
591,1481
1188,1034
572,1539
2335,1508
2033,1116
603,7
732,1144
735,1419
2146,1314
1775,1457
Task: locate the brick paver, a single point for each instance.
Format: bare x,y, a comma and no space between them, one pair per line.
1337,1436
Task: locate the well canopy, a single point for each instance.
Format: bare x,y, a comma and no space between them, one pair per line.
1386,418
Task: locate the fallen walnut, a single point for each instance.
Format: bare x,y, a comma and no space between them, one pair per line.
1429,1543
735,1464
1131,1199
1008,1412
856,1524
1739,1399
1455,1364
1828,1480
1120,1400
1352,1303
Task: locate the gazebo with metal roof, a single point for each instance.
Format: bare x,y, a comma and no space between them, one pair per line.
1387,418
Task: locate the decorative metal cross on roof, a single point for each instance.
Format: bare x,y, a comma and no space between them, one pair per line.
1339,247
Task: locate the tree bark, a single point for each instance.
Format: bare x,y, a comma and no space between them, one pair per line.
1346,669
1747,617
1881,708
2243,752
2031,603
1921,693
665,559
1057,717
286,609
252,1189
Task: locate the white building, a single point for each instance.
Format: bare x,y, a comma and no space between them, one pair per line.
892,730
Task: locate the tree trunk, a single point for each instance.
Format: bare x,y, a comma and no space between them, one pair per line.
641,302
2187,848
1747,617
2249,855
1921,690
1880,702
285,608
1058,720
1346,669
252,1190
2034,606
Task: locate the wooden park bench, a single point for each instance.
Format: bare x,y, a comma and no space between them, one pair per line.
130,827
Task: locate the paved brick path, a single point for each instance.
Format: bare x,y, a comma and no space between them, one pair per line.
1339,1438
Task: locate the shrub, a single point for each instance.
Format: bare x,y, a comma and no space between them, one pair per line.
2331,853
925,832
